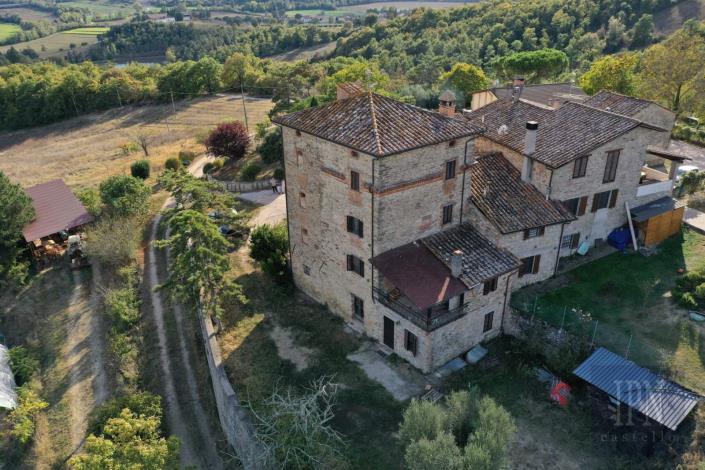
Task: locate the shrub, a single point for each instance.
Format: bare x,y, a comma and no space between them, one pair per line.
279,173
113,240
228,140
439,453
140,169
269,245
172,163
687,300
122,306
23,363
250,172
125,195
272,148
218,163
187,156
690,280
141,403
90,198
22,418
700,292
422,420
697,201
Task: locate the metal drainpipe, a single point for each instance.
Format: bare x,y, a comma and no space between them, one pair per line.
504,308
558,255
462,190
372,230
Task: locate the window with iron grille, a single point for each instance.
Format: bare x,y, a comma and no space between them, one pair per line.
530,265
411,342
358,307
450,170
611,166
354,180
356,265
489,286
489,318
534,232
570,242
447,214
355,226
580,167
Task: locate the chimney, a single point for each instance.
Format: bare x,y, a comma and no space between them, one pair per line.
517,88
447,103
529,149
348,90
456,263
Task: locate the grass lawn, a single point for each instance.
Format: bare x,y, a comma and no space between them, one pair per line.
322,13
87,31
629,295
8,30
366,414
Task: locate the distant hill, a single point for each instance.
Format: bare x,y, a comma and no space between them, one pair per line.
670,19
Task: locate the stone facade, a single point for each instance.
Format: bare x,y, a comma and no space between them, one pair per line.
439,346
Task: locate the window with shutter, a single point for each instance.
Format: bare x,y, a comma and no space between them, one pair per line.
354,180
355,226
358,307
583,206
410,342
580,167
450,170
534,232
613,198
487,326
489,286
611,166
529,265
356,265
447,214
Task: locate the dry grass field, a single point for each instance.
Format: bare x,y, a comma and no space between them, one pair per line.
57,44
85,150
27,14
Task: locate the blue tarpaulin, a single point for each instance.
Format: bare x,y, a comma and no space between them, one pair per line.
620,238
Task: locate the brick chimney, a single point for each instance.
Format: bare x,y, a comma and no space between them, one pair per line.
529,149
446,104
456,263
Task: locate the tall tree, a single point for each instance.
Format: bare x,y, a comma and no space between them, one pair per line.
534,65
466,78
16,211
670,69
612,72
125,195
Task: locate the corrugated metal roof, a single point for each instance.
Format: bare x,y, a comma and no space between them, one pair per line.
663,401
57,209
654,208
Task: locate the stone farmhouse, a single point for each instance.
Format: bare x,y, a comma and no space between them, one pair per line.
414,226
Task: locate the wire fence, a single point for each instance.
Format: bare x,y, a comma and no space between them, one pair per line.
585,327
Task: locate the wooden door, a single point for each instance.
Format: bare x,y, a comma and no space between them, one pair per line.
388,332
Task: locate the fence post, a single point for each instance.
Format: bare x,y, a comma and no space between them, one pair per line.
629,345
560,330
594,334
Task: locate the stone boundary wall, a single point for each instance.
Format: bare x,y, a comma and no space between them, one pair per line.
515,324
242,186
234,418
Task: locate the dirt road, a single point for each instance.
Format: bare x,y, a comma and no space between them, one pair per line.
186,415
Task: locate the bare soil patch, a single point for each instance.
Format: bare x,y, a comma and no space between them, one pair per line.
300,356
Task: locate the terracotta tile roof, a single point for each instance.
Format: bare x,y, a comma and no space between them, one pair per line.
57,209
418,274
352,88
482,260
508,202
542,93
616,103
378,125
564,134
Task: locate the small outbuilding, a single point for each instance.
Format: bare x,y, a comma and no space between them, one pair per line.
658,220
58,213
633,396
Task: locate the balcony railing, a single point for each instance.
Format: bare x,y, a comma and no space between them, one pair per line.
652,182
429,320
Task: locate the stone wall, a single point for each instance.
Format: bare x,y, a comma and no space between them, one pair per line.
234,419
437,347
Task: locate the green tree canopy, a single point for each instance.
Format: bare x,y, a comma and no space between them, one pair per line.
612,72
536,65
466,78
125,195
269,246
16,211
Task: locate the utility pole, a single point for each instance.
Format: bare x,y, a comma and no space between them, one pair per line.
244,108
118,95
73,100
173,108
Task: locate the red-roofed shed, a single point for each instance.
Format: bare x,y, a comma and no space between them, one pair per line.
57,209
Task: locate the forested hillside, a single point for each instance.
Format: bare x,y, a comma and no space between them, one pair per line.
429,41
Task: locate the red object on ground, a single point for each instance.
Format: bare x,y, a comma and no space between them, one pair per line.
561,393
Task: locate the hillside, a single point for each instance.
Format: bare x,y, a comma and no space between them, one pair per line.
672,18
